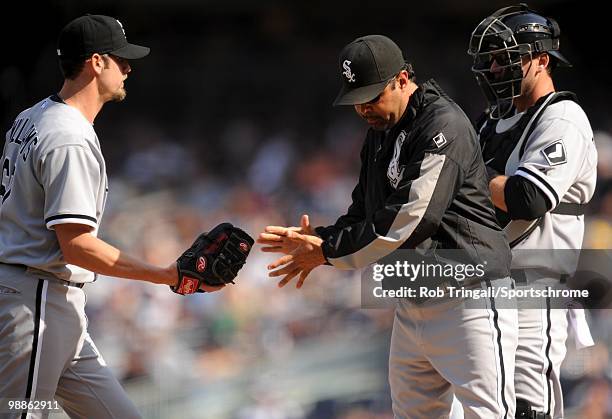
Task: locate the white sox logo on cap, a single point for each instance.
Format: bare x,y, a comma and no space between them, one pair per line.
121,27
348,73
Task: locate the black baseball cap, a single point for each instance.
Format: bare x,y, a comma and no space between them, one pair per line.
90,34
366,66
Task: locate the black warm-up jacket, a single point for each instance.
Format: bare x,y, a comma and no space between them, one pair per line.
422,179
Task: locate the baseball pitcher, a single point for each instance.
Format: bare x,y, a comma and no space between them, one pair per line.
52,195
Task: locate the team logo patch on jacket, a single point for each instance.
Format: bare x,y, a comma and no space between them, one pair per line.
555,153
395,171
440,140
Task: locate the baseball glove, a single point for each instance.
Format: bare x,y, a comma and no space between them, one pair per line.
213,259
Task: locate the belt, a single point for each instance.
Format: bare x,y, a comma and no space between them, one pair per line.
520,275
25,267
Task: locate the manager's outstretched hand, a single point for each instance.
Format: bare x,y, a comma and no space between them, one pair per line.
301,248
277,243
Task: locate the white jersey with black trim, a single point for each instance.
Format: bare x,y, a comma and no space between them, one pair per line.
53,172
560,159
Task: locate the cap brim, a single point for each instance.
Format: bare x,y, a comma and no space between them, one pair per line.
359,95
563,62
131,52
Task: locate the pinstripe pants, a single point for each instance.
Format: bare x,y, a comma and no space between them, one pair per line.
46,352
454,347
540,353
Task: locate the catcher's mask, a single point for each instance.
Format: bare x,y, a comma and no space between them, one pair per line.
506,37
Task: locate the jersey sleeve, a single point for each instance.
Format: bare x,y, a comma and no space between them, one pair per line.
70,176
554,156
409,216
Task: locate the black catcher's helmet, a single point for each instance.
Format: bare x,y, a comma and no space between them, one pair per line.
505,37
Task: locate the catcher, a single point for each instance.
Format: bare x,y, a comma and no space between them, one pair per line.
52,194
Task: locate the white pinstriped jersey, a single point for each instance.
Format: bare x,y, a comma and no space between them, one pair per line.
53,172
560,159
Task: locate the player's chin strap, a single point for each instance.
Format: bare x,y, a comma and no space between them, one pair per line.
524,411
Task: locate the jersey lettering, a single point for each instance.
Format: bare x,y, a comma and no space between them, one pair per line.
6,179
20,137
18,125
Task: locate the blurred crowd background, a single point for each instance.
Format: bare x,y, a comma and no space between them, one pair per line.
230,119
